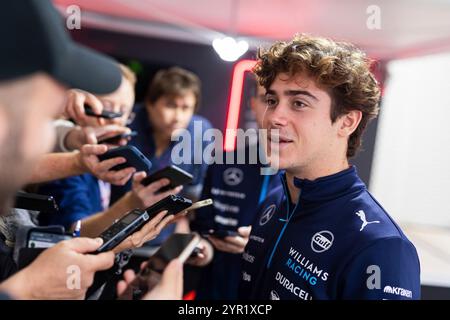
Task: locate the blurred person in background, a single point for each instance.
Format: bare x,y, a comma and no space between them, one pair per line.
171,103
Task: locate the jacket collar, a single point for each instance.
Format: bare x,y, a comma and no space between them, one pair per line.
326,188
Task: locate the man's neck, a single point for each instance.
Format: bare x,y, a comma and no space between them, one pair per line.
161,143
311,174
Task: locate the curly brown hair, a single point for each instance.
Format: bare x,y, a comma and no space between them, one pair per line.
338,67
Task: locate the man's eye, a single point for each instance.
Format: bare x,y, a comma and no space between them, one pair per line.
271,102
299,104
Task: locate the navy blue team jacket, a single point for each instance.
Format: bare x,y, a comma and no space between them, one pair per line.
336,243
236,190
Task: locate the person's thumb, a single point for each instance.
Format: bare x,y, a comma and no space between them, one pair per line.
139,176
172,278
245,231
94,149
84,245
90,136
102,261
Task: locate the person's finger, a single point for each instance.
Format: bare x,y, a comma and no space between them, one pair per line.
90,136
164,223
123,181
201,255
172,278
156,185
137,238
157,230
111,130
84,245
129,276
224,246
78,100
68,112
93,102
101,121
236,240
143,265
245,231
179,216
138,177
121,287
101,261
164,194
122,176
107,164
94,149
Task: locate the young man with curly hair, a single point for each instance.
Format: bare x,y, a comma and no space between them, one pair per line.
322,235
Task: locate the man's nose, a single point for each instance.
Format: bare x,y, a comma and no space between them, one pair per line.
178,114
276,117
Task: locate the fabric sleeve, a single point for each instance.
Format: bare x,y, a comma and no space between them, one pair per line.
388,269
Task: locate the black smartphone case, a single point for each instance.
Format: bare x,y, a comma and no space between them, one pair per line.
173,204
134,157
176,176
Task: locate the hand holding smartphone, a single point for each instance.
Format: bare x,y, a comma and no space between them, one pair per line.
105,114
178,245
121,229
220,233
175,175
134,158
116,139
136,219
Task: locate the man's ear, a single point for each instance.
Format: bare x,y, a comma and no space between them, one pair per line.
3,125
253,104
349,122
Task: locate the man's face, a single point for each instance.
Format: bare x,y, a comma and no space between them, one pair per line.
301,112
28,106
170,113
43,105
121,100
258,104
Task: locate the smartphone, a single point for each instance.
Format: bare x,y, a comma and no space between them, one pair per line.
200,204
172,203
41,239
178,245
221,233
104,114
121,229
35,202
134,157
116,139
176,176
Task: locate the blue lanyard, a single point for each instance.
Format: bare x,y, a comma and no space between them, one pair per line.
289,215
264,188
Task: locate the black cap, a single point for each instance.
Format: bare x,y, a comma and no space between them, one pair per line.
33,39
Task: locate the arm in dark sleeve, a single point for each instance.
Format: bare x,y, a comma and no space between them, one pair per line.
387,269
77,198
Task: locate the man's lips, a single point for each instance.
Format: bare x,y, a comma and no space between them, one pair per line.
280,139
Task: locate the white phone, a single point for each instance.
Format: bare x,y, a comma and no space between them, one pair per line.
199,204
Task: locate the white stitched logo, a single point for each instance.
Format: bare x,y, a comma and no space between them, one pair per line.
398,291
274,295
267,215
362,216
322,241
233,176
